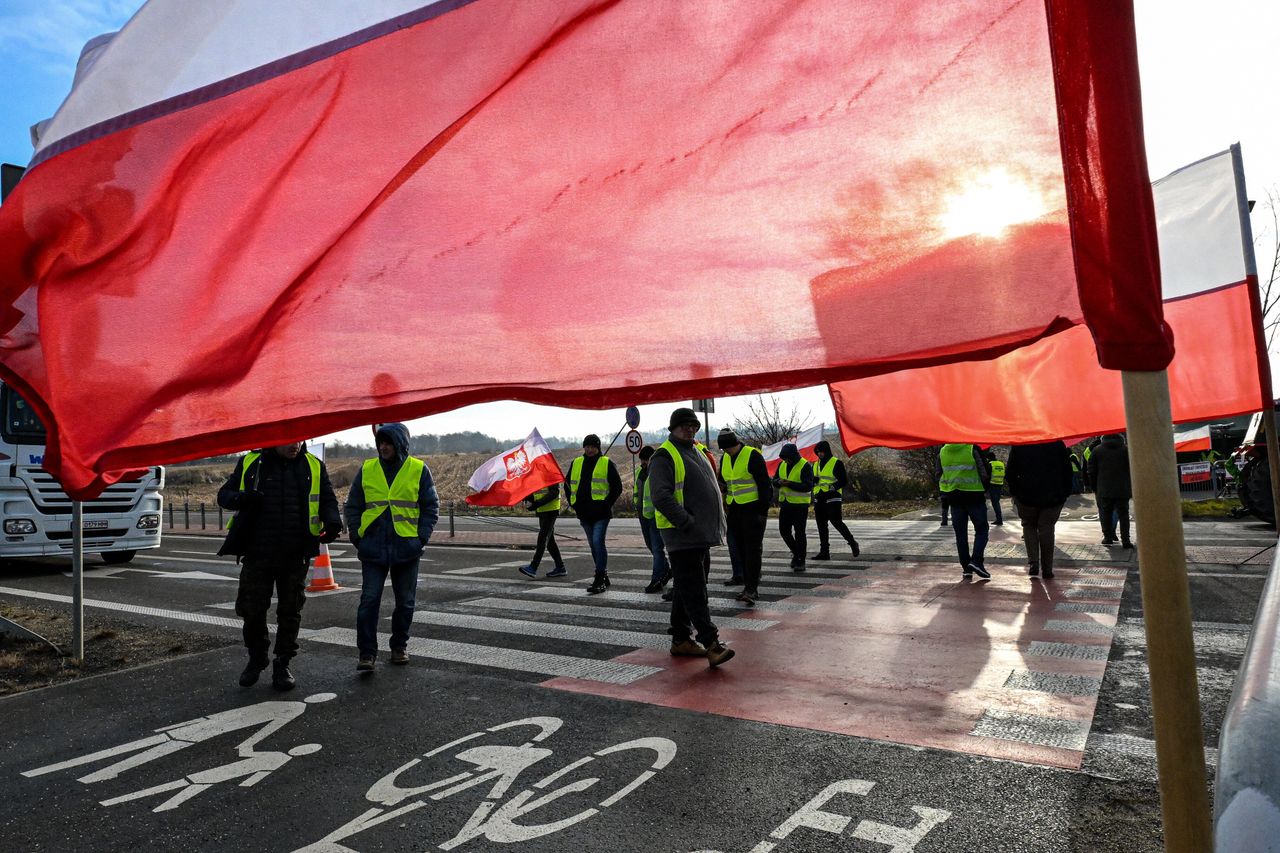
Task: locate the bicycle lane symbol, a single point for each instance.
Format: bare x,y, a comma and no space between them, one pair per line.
494,819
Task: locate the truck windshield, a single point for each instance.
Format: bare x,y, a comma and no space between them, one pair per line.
21,425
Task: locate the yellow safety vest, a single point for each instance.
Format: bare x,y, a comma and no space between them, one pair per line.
549,506
959,472
401,497
824,477
644,498
997,472
599,478
678,480
788,494
742,488
313,494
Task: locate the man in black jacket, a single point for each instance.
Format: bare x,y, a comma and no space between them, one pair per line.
1109,473
283,499
747,492
1040,479
829,480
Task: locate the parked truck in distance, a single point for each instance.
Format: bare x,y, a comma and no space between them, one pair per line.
36,512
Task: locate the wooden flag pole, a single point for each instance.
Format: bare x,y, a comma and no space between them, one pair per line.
1166,606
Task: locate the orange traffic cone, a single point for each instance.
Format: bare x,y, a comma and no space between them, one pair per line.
322,573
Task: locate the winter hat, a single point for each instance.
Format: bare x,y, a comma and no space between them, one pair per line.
727,438
683,415
646,452
591,440
823,446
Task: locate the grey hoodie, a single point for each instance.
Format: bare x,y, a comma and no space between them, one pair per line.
699,523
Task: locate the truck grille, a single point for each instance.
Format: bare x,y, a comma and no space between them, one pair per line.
51,500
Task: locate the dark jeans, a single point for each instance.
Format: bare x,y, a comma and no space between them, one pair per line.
945,510
1109,512
404,583
595,531
746,531
258,577
689,610
1038,523
653,541
546,540
735,558
994,494
792,520
962,513
829,512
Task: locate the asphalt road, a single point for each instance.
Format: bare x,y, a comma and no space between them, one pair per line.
499,735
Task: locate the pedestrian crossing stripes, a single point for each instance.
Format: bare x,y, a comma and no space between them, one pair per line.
562,592
620,613
524,627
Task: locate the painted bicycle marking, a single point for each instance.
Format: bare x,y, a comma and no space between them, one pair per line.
498,818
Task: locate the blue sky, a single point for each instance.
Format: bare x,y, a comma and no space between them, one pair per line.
1210,75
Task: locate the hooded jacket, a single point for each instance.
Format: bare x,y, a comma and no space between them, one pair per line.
381,545
1039,475
1109,469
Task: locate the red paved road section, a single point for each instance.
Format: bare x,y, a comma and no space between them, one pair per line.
914,657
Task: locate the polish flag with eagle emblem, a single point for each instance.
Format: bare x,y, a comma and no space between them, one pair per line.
513,475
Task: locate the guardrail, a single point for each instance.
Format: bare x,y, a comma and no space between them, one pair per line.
1246,812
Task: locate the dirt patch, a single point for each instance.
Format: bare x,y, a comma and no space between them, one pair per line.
109,644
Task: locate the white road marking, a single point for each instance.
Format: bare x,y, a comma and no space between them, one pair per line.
495,567
618,613
566,592
524,627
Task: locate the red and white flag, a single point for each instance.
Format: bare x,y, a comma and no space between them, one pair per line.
804,442
1192,440
513,475
236,196
1055,387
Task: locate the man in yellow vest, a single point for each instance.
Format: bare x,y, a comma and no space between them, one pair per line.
690,517
794,481
545,503
965,476
829,480
285,507
391,511
594,487
744,477
996,487
661,572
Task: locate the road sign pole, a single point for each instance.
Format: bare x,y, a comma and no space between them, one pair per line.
77,581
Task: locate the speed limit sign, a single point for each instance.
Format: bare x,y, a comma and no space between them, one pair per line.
634,441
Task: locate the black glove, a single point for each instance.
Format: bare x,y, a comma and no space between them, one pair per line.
249,501
330,533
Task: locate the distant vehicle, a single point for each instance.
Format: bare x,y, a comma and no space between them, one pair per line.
1253,480
36,512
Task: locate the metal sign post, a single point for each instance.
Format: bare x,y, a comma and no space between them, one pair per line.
77,581
707,407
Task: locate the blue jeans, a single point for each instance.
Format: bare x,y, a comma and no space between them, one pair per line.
653,541
961,514
404,583
595,531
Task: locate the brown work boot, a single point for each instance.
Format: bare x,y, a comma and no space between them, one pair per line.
718,653
688,648
400,656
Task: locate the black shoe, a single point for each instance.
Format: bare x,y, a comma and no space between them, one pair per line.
599,585
281,677
979,571
1048,574
853,546
653,587
1034,571
821,555
669,595
1108,541
734,581
1126,545
798,568
252,670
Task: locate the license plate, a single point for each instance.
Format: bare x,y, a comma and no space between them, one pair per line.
100,524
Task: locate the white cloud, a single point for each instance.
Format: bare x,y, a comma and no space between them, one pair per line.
51,34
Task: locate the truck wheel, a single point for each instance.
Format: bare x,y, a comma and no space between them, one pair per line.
1256,483
116,557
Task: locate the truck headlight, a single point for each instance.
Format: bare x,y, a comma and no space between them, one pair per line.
148,522
19,526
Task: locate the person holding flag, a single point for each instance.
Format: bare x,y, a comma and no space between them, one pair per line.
594,487
391,511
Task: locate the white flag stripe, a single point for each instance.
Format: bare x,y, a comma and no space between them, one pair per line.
494,470
150,59
1191,435
808,438
1198,226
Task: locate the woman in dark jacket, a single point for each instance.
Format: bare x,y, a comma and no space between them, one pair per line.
1039,479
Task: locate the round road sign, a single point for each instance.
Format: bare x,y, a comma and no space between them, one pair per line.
633,418
634,441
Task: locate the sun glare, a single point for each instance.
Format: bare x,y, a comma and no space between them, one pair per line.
989,204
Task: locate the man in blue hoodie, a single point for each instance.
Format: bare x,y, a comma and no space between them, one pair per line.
391,510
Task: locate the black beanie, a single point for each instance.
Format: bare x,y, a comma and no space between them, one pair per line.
591,440
727,438
646,452
683,415
823,446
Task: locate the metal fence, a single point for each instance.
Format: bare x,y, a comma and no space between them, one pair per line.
1204,481
1246,813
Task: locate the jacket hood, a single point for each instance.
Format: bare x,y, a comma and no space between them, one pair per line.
789,452
398,435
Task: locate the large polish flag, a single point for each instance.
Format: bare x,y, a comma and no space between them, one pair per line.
513,475
804,443
1055,388
1192,440
253,222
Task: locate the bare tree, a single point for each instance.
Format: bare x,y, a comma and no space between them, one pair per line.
920,464
1266,246
767,421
